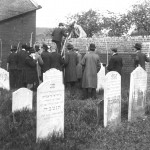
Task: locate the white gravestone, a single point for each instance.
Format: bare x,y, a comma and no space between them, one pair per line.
50,109
137,96
112,99
101,78
4,79
22,98
53,75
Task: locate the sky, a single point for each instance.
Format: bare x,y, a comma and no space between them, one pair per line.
55,11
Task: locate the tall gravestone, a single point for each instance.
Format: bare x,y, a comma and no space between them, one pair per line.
101,79
53,75
22,98
4,79
137,96
112,99
50,109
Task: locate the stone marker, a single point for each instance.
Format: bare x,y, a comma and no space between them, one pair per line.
22,98
4,79
50,109
101,79
137,96
112,99
53,75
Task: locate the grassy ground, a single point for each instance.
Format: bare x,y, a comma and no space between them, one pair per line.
18,131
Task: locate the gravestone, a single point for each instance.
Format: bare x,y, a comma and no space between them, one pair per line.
4,79
53,75
137,96
22,98
101,79
112,99
50,109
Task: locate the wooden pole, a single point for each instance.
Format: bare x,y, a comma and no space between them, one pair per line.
31,39
1,53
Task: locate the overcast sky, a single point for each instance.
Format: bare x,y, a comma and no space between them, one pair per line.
55,11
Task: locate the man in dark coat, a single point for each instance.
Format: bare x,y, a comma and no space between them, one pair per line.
115,62
56,60
91,66
140,58
31,70
46,59
21,56
12,68
57,36
71,62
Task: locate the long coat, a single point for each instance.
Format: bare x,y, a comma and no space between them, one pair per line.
31,70
91,65
70,66
115,63
79,66
21,56
58,33
56,61
46,61
140,59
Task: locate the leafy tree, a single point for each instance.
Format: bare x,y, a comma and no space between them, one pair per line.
116,24
90,21
140,16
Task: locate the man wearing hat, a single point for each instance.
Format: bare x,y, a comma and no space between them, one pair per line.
140,58
57,36
21,56
12,67
31,69
56,60
91,65
46,59
71,62
115,62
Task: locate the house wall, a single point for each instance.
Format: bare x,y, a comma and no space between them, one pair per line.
15,31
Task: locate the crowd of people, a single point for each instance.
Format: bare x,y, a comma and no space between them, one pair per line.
26,67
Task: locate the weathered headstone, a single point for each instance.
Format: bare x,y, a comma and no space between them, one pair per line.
101,79
4,79
53,75
22,98
137,96
112,99
50,109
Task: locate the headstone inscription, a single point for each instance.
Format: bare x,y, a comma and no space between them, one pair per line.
50,109
4,79
137,96
22,98
101,79
53,75
112,99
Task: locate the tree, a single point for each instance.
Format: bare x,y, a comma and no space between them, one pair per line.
140,16
116,24
90,21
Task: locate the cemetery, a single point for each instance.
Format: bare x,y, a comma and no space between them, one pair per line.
46,114
52,119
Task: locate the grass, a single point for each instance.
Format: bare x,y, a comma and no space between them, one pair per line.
18,130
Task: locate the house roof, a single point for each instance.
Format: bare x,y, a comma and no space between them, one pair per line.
12,8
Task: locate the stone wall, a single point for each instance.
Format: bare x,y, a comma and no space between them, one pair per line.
125,49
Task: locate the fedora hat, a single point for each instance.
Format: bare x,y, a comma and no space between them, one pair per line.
45,46
61,24
138,46
31,50
37,48
69,46
14,48
92,46
114,50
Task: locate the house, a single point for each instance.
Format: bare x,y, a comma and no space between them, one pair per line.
17,25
